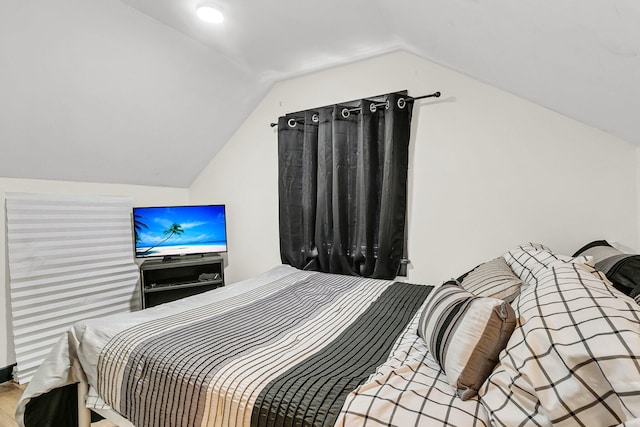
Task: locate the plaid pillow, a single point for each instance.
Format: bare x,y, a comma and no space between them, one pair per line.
530,260
573,358
493,279
465,334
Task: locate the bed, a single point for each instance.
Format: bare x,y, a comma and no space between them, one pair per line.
559,345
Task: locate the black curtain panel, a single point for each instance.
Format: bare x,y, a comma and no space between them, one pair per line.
343,186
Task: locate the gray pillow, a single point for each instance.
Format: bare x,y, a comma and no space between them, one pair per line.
493,279
622,269
465,334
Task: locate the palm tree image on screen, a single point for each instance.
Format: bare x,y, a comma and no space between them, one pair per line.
174,230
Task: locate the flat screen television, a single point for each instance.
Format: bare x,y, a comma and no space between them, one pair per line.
170,231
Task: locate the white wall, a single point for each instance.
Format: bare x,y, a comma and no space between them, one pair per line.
141,195
488,171
90,88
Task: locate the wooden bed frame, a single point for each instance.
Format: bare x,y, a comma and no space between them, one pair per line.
84,413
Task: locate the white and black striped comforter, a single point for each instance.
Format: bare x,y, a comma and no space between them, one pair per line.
289,348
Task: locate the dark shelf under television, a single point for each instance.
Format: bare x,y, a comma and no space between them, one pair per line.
167,280
161,288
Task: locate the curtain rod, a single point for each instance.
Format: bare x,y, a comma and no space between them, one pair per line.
400,100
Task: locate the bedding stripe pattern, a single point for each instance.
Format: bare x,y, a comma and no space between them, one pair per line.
493,279
313,391
123,344
205,346
277,339
465,334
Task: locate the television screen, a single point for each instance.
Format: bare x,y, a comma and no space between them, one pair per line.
179,230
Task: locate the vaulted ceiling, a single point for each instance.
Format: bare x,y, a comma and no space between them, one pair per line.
141,92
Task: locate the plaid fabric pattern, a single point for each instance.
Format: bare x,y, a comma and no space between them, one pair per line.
94,401
574,358
530,260
493,279
409,389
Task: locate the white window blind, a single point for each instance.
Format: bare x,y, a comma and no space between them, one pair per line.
70,258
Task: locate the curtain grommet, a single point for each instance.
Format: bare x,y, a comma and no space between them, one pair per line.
401,103
374,107
292,123
315,118
345,113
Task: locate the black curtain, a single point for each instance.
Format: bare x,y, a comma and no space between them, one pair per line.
343,186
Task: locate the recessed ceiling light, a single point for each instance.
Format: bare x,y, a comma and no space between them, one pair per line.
210,14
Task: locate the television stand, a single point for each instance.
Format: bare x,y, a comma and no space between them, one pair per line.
174,278
184,257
